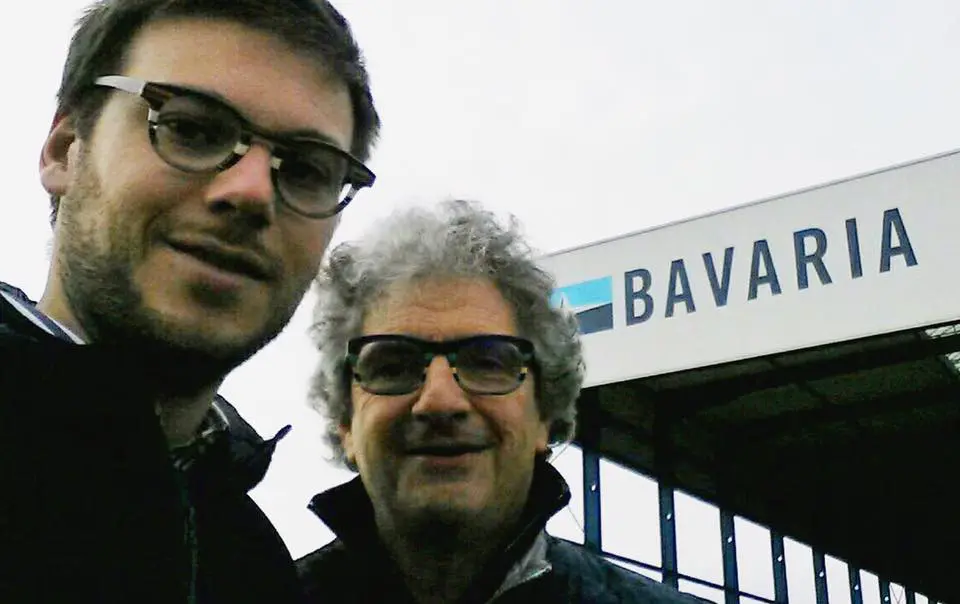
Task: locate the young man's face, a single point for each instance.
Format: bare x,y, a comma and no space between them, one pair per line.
134,235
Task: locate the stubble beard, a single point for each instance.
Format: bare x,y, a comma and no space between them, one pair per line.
448,525
96,274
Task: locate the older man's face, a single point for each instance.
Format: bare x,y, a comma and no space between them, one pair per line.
386,434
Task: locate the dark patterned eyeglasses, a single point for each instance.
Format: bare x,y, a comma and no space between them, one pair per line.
196,132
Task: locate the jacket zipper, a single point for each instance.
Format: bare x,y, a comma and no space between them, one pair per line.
536,574
189,536
539,572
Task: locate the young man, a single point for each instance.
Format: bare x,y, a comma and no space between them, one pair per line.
200,155
446,376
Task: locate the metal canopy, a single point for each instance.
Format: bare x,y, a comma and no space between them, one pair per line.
851,447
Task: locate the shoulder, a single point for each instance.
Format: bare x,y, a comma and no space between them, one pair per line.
598,580
250,555
15,327
324,569
329,553
41,377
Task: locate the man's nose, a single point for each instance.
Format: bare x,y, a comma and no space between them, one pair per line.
440,394
246,186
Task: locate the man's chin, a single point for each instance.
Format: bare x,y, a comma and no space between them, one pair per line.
445,506
221,335
182,349
208,337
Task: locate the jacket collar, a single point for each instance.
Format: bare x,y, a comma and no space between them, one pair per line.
347,510
236,457
20,314
228,451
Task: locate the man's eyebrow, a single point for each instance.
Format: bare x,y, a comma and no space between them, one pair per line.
295,134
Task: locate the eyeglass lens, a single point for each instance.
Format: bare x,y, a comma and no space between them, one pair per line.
197,135
483,366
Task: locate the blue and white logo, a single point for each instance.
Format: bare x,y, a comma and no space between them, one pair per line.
592,301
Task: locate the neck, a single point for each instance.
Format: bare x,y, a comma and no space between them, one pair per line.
439,561
53,304
181,417
182,399
435,574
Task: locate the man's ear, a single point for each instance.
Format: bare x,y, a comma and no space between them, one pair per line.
58,156
346,440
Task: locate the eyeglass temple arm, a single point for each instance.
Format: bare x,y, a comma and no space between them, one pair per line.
123,83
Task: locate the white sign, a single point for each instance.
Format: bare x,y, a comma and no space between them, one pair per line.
869,255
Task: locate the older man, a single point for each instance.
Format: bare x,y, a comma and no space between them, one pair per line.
446,376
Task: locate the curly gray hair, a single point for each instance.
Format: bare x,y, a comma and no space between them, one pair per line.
456,239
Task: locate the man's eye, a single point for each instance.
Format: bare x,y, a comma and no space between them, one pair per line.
488,362
307,175
194,132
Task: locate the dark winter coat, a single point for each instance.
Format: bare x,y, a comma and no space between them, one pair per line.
92,508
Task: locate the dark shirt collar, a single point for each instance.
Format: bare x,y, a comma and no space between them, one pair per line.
20,302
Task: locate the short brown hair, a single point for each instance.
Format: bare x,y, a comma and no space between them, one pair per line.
314,27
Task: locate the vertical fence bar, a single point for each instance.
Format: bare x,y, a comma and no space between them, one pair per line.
856,591
731,578
884,592
779,558
820,577
668,536
591,501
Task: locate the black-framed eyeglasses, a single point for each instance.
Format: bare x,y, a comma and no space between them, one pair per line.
196,132
397,364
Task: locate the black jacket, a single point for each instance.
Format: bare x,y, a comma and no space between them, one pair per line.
533,568
92,509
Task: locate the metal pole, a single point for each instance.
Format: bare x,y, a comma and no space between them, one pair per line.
731,578
591,501
668,537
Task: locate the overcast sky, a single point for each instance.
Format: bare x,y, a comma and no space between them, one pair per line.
585,119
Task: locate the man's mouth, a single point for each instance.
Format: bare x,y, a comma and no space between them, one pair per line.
447,450
236,261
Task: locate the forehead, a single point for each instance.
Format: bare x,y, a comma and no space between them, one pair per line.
442,309
276,87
